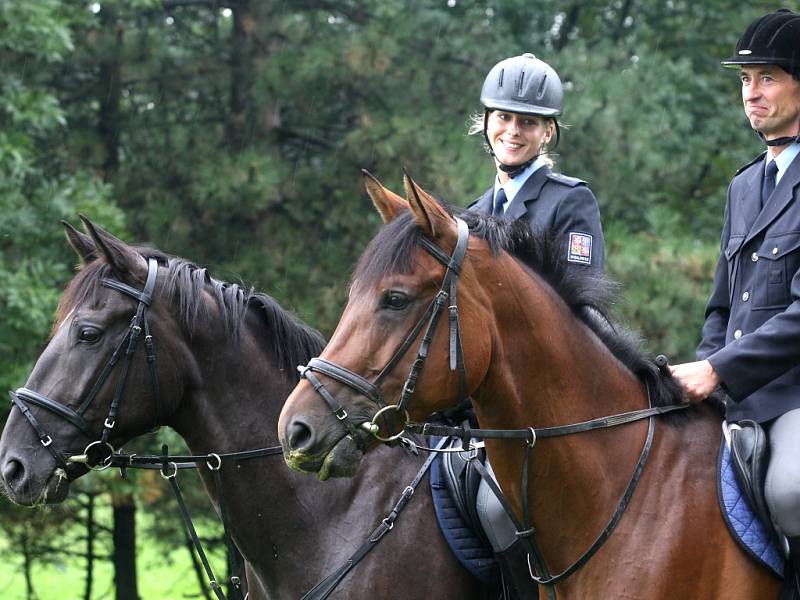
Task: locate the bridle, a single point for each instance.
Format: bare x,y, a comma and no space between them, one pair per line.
371,389
97,454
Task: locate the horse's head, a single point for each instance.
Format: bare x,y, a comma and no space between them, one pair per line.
401,294
97,383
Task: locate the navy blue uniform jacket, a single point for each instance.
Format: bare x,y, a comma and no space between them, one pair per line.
561,204
751,334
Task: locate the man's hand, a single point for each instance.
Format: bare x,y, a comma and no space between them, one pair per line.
698,379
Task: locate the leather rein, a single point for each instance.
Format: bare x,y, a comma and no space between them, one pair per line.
372,391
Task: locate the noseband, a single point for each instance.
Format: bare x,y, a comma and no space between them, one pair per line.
371,389
97,454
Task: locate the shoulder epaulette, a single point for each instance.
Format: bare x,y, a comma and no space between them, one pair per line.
570,181
751,163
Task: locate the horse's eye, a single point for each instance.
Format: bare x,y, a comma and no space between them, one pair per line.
89,335
395,300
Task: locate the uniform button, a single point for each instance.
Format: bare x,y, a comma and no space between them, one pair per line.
754,256
737,334
745,296
775,250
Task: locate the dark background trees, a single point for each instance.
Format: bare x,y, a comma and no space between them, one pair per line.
232,133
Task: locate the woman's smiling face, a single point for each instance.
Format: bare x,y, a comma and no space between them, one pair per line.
516,138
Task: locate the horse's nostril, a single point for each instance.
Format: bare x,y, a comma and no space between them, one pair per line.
12,471
299,434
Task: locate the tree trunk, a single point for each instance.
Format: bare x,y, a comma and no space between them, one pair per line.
109,91
27,555
240,119
90,535
124,554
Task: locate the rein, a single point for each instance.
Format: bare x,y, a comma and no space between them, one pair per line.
372,392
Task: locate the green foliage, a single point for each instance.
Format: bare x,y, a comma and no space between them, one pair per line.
233,134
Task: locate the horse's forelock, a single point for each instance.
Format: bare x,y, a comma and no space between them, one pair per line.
390,251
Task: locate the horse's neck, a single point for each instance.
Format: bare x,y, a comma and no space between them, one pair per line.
231,405
549,369
232,395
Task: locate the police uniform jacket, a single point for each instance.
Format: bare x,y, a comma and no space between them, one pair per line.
751,334
564,205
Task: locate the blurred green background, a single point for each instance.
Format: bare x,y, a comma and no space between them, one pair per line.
232,133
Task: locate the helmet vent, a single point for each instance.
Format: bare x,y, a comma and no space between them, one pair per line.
500,78
542,87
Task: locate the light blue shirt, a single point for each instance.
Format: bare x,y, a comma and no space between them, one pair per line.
514,184
783,160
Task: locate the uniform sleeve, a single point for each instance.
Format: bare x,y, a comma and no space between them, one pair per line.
718,308
578,213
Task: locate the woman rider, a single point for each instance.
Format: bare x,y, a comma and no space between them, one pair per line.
522,96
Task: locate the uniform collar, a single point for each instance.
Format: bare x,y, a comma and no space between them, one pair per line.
783,160
514,184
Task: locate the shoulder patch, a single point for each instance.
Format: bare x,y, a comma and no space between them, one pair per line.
564,179
580,248
751,163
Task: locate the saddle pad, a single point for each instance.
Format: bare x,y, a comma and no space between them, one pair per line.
473,554
748,530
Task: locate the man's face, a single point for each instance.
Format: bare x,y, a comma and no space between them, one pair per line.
771,100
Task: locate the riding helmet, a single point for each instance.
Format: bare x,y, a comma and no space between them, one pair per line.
773,39
523,84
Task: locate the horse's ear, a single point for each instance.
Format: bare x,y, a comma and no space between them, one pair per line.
122,258
388,203
431,216
81,243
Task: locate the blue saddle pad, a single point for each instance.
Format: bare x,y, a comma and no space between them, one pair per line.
470,551
748,529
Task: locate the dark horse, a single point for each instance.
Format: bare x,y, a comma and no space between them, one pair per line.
224,363
533,355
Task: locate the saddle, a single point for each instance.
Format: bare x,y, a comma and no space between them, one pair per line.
462,481
750,458
475,524
741,472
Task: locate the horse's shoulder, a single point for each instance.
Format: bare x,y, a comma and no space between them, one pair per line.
565,179
746,166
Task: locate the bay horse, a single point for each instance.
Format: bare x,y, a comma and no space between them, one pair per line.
531,348
224,362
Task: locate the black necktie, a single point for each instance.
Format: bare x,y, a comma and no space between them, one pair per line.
499,201
769,182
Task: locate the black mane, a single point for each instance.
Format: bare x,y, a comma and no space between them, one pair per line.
589,297
289,343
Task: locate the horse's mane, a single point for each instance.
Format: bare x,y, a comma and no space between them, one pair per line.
589,297
289,344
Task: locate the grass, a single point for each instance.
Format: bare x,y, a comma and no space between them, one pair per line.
165,572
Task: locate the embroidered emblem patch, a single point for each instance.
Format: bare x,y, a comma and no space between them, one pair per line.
580,248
